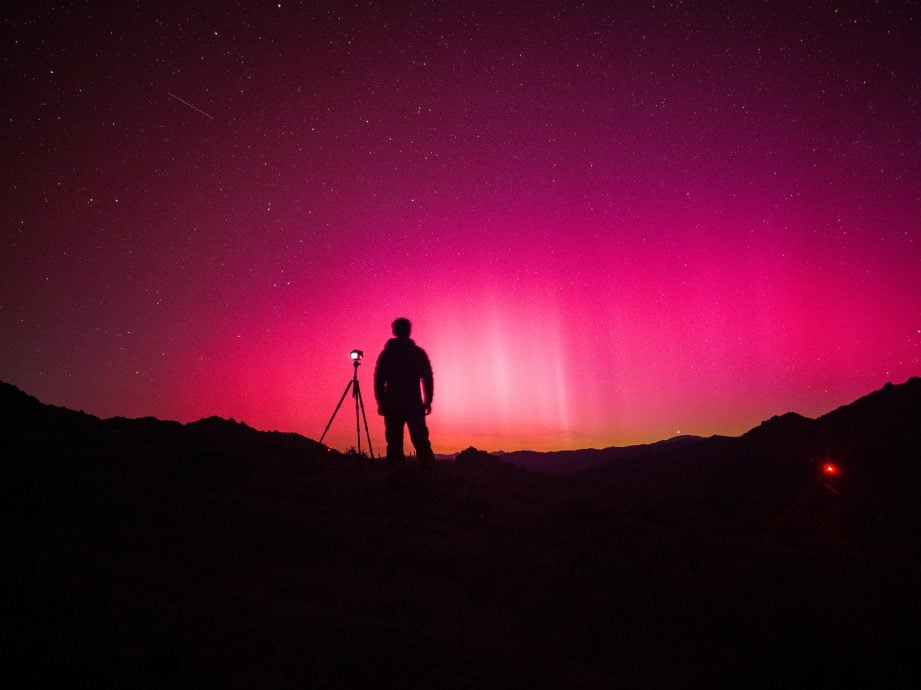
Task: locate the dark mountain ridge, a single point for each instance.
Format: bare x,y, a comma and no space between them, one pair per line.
29,421
871,437
875,441
892,412
565,462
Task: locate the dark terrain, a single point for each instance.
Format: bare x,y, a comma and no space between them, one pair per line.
150,554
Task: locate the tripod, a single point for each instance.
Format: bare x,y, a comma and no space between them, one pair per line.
359,405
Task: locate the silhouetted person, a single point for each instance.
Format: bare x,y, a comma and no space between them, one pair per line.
403,389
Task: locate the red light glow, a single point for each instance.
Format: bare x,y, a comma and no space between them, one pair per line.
830,469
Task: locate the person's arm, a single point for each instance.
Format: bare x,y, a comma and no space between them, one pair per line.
428,383
380,377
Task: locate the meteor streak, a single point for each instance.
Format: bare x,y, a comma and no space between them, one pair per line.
190,105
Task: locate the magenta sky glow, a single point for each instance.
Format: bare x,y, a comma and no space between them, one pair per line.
610,223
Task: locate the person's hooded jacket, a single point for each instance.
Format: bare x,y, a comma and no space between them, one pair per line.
400,368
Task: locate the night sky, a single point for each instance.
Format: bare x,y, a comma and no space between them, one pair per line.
609,222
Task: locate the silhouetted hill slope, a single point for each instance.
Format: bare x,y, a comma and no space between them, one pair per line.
876,419
875,440
141,553
567,462
879,420
31,424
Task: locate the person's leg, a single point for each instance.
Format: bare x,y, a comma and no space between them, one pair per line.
419,435
393,432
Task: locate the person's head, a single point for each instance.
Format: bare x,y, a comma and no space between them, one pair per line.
401,327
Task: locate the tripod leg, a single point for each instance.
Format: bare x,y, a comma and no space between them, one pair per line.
361,402
355,394
344,393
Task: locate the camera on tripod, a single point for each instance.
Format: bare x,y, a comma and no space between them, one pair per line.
355,356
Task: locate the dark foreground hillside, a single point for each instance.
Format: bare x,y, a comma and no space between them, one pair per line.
147,554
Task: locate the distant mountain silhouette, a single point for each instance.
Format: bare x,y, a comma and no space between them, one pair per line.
567,462
883,418
887,417
875,441
148,553
27,421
